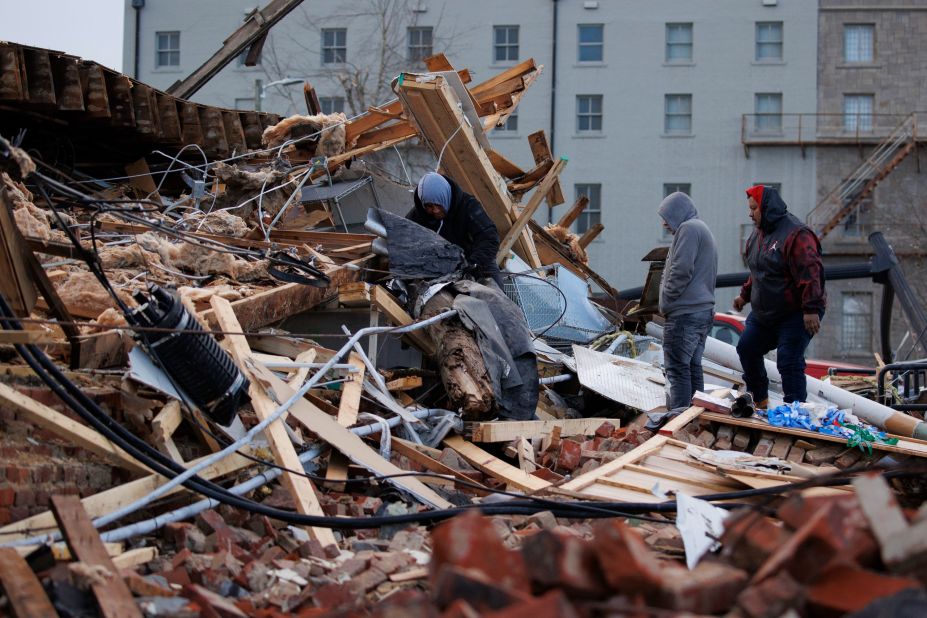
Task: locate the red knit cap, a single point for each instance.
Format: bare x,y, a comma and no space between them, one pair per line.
756,192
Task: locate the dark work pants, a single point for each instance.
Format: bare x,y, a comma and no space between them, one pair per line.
683,344
790,340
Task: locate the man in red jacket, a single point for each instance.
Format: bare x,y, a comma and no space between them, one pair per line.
786,291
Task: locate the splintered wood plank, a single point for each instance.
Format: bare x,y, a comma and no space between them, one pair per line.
495,467
583,481
387,304
506,431
23,590
328,429
300,487
67,428
162,428
409,451
347,416
280,302
688,415
113,596
540,150
533,203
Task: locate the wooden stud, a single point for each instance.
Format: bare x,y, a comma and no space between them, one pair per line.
347,415
12,83
113,596
540,150
495,467
536,198
170,128
40,80
234,132
162,428
573,213
387,304
300,487
506,431
191,127
23,590
590,235
119,92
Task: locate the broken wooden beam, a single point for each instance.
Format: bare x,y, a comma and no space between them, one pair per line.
506,431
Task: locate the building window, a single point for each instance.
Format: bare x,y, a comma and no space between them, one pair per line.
334,45
167,52
246,103
510,125
591,42
678,114
505,43
593,212
857,112
768,40
588,112
678,42
673,187
856,322
768,112
858,42
420,43
331,105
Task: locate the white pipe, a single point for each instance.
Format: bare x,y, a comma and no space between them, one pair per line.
870,411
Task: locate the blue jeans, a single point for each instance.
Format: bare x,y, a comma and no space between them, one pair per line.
683,343
790,340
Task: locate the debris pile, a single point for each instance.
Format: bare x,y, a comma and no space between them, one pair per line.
196,418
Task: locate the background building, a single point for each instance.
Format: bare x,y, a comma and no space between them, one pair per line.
643,97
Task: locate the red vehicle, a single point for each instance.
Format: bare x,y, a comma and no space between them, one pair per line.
728,328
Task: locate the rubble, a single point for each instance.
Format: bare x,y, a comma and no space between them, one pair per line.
342,486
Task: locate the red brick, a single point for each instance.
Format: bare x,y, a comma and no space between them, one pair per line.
451,583
5,516
750,538
557,558
460,609
844,588
709,588
605,430
470,541
626,562
25,497
570,455
7,496
340,595
772,597
212,604
551,605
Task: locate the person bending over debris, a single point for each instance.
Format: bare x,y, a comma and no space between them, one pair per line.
458,217
687,297
786,289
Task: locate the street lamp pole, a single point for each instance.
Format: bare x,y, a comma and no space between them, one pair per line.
260,89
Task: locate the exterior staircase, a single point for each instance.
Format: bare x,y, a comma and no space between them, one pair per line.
852,190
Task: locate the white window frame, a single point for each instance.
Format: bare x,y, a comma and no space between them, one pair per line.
331,105
677,114
169,51
767,112
678,43
769,38
334,45
504,48
589,112
856,323
858,43
590,45
857,112
419,42
592,214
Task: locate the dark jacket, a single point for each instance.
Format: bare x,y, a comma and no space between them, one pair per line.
784,257
466,225
688,284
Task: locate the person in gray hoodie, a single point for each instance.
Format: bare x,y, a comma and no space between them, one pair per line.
687,297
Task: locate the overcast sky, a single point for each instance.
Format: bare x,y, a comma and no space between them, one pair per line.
91,29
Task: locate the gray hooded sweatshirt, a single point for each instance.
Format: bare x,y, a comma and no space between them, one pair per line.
688,284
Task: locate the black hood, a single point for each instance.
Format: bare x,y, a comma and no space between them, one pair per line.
455,197
772,210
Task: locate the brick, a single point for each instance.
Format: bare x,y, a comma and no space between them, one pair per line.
570,455
483,593
186,535
781,447
763,446
368,580
750,538
626,562
709,588
213,605
7,496
544,520
470,541
551,605
796,454
725,437
772,597
705,439
844,588
605,430
823,455
557,558
848,458
25,497
741,440
392,562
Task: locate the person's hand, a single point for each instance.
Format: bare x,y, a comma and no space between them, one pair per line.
739,303
812,323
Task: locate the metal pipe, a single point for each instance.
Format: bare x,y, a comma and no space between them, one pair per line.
296,365
870,411
150,525
553,93
554,379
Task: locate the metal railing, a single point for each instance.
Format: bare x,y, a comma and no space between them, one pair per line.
852,189
813,129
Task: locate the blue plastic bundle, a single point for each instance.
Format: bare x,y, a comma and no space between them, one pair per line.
833,422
